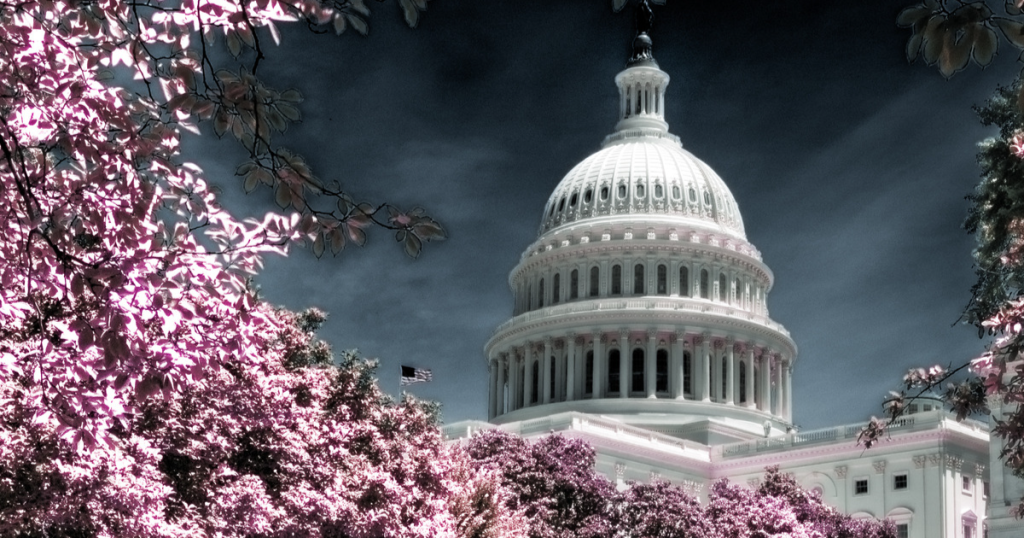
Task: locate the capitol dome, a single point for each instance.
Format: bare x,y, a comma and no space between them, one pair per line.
641,299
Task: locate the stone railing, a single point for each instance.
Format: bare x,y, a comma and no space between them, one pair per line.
847,433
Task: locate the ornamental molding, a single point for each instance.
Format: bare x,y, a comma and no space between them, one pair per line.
620,470
954,462
654,476
935,459
753,483
919,462
841,471
979,469
879,466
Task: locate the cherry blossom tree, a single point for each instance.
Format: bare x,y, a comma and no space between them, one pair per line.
555,485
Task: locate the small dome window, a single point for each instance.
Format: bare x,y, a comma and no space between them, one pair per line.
693,195
658,191
622,191
552,211
561,204
604,193
588,196
572,201
639,191
675,191
707,198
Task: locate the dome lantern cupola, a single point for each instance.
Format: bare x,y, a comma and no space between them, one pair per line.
642,84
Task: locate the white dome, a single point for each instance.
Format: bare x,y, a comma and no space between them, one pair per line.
644,173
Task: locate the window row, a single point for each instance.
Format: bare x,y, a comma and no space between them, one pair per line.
726,289
577,198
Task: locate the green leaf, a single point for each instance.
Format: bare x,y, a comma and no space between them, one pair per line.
283,195
955,55
429,230
1012,8
234,44
909,16
251,180
914,46
357,235
337,240
412,15
617,5
360,6
339,24
985,44
318,245
413,245
934,38
357,23
1012,30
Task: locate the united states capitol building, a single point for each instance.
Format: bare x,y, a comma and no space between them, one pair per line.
640,325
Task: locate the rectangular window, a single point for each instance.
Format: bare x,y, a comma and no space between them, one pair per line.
985,489
899,481
967,481
968,531
860,487
903,530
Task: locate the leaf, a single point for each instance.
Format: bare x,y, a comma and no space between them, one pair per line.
234,44
934,37
1012,7
955,55
318,245
985,44
914,46
358,23
412,14
339,24
413,245
429,230
617,5
283,195
288,111
1013,31
357,235
221,122
291,96
1020,99
337,240
251,181
909,16
360,6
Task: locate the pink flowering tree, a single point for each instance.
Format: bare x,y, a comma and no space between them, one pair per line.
292,443
554,484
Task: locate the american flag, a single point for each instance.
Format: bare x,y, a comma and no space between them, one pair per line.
412,375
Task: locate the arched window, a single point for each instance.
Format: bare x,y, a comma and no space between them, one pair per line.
616,279
693,195
529,297
622,191
743,382
614,369
705,285
687,376
684,281
536,382
556,288
675,191
662,371
638,279
707,198
604,193
561,204
540,294
588,374
572,200
658,192
594,274
662,280
639,191
574,284
738,291
723,289
637,384
588,196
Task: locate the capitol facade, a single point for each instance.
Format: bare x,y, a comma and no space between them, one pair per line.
640,324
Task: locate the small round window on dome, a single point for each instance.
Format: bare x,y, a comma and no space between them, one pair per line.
588,196
639,191
622,191
707,198
572,201
561,204
658,192
675,191
604,193
693,195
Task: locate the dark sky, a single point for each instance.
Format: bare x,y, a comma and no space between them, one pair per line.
849,166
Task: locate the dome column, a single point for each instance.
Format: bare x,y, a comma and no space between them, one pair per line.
624,363
515,389
492,403
704,375
777,409
748,390
598,370
545,374
730,371
528,374
650,359
788,384
570,367
676,367
502,359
